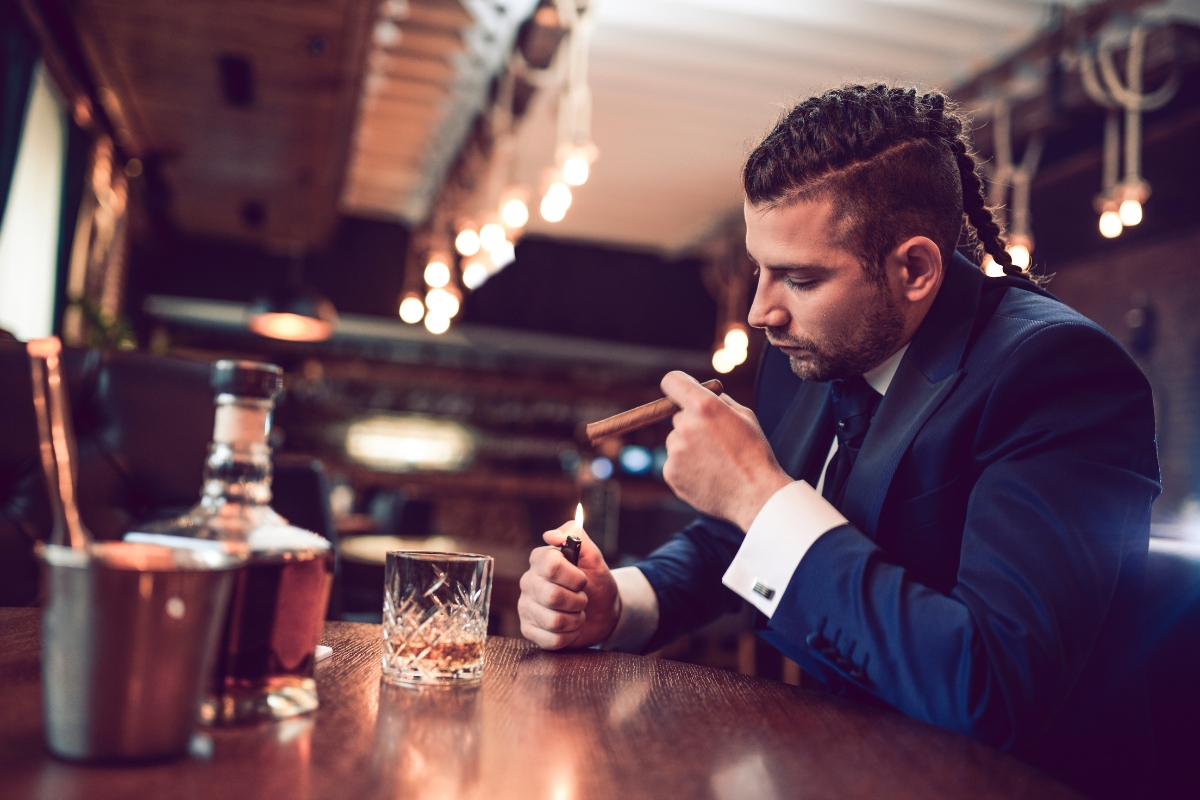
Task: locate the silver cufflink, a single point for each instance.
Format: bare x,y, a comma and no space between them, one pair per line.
762,589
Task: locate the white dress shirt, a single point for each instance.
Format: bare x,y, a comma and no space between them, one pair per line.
785,528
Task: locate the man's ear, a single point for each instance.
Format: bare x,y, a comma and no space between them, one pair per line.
920,268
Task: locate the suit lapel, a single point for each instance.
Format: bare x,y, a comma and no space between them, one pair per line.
801,432
929,371
911,400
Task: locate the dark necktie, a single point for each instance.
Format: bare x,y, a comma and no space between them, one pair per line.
854,404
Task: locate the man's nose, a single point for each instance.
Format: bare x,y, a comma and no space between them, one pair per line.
766,311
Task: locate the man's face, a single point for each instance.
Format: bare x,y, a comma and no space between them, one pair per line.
814,300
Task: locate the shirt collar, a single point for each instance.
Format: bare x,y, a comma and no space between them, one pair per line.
880,378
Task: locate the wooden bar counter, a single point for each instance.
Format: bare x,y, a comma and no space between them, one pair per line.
559,726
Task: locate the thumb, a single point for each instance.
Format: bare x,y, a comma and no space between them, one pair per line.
684,390
590,556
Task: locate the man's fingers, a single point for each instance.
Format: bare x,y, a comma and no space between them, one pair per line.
557,536
537,625
684,390
545,639
590,556
550,595
549,563
547,619
739,408
729,401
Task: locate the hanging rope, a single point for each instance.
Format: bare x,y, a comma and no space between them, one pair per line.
1006,176
575,106
1121,204
1022,178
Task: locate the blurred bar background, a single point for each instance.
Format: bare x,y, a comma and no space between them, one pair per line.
309,183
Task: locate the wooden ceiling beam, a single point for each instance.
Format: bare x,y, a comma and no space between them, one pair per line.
408,66
384,113
160,64
408,90
428,42
444,14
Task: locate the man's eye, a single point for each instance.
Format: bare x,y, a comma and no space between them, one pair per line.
799,285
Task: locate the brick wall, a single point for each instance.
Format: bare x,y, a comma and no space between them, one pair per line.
1162,279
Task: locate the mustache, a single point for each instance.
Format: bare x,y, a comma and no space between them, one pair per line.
780,338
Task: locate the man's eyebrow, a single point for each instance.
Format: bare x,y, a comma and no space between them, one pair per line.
794,267
789,267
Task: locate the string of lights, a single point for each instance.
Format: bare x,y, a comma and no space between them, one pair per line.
485,238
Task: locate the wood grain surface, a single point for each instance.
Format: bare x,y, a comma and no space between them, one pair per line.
560,726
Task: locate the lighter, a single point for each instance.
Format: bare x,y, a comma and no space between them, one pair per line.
570,549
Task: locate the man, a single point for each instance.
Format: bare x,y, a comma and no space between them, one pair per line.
943,502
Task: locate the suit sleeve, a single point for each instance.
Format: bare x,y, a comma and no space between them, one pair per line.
686,572
686,576
1065,473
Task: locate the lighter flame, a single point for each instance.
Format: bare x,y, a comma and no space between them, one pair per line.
579,515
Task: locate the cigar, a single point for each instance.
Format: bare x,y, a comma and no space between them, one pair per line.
640,417
570,549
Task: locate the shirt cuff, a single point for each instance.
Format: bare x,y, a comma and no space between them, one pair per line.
639,612
786,526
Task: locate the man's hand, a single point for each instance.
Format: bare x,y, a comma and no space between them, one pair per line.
718,460
566,606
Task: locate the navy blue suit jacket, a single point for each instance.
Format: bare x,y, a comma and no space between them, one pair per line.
990,578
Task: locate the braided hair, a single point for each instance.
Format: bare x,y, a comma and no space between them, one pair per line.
896,164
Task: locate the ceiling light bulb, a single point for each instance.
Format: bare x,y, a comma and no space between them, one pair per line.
291,327
556,202
515,213
437,274
296,315
723,361
551,211
1130,212
441,303
503,255
576,170
736,339
387,33
412,309
475,274
467,242
1020,256
397,9
1111,225
437,323
992,268
491,236
560,194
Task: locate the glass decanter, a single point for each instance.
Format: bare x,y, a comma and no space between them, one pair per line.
264,669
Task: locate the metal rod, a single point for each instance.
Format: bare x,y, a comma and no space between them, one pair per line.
41,411
61,436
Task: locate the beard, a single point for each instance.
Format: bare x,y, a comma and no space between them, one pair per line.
859,349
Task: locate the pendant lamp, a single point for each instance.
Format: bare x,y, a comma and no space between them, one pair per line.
296,313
